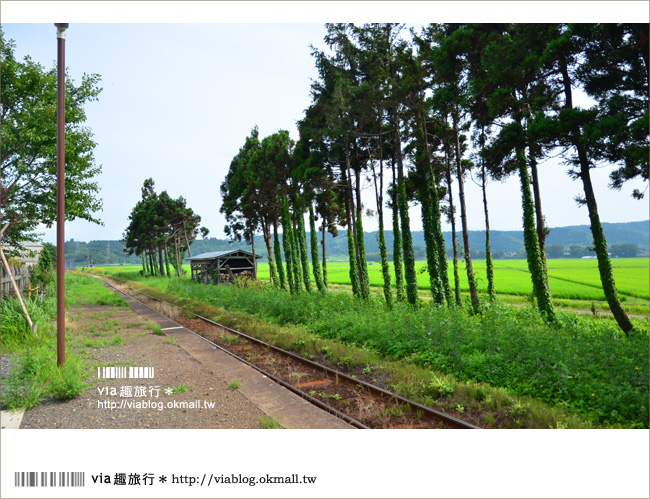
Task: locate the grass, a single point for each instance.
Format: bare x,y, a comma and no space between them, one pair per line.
231,339
269,423
85,290
171,340
234,385
506,359
35,375
180,388
104,342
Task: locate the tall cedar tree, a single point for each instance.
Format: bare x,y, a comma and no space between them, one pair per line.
450,96
611,63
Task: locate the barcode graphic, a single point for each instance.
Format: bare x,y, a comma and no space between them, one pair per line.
50,479
123,372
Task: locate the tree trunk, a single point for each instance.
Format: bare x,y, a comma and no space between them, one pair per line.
273,273
452,216
541,228
302,243
324,251
407,240
160,260
187,241
315,262
287,245
152,266
295,255
397,242
179,263
169,274
352,253
144,267
463,216
353,221
379,197
361,243
426,194
278,256
531,243
489,265
436,219
600,242
254,256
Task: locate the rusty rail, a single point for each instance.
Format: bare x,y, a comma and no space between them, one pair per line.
450,420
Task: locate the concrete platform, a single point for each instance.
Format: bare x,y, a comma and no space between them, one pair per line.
10,420
286,407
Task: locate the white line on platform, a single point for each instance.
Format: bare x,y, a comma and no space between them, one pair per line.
168,328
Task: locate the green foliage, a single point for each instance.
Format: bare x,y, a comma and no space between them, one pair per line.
269,423
514,348
29,124
234,385
35,375
44,273
157,221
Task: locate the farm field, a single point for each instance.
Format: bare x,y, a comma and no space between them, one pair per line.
569,279
574,283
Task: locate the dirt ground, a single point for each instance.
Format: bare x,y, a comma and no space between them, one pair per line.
175,397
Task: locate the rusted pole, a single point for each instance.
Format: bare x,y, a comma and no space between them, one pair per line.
60,194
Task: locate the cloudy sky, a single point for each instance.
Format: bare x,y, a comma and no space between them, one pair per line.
178,100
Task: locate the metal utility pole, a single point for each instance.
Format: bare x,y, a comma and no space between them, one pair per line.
60,194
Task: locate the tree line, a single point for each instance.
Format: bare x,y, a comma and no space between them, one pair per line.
161,229
412,115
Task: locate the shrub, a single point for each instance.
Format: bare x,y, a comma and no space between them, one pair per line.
509,347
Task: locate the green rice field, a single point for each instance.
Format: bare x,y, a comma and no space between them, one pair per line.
569,280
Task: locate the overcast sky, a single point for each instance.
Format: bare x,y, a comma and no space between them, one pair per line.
178,101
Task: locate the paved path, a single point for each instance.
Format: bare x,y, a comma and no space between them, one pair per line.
179,357
272,399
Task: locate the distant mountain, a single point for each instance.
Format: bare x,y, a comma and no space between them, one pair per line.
503,243
616,233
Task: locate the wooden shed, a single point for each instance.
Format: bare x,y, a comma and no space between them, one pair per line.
222,266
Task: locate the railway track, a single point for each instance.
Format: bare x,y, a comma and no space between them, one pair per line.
358,402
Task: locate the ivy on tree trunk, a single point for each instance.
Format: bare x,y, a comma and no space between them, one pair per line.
314,251
531,242
278,257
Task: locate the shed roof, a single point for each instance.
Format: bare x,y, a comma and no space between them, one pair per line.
216,254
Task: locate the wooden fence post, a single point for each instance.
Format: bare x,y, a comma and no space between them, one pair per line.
18,294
